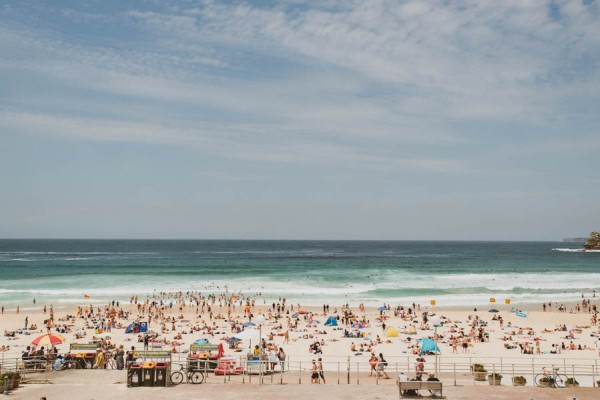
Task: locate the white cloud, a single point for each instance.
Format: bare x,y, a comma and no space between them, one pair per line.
217,141
493,57
357,81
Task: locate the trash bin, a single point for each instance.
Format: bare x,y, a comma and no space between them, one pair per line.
134,375
193,363
160,374
207,364
148,371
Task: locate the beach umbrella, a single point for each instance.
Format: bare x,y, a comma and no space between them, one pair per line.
313,322
48,340
201,341
249,323
247,334
357,325
382,308
493,310
233,339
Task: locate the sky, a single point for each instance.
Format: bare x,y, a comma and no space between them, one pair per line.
320,119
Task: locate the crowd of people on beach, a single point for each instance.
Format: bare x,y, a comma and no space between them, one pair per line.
221,316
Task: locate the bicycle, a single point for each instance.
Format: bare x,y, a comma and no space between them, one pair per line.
554,380
186,374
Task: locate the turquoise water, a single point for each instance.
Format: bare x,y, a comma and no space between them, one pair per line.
309,272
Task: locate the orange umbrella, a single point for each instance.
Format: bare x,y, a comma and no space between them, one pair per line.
48,340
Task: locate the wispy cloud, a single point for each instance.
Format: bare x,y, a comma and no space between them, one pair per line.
384,82
218,142
352,118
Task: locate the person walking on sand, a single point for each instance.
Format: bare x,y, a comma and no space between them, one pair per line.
281,356
381,366
373,363
314,373
321,372
286,337
465,344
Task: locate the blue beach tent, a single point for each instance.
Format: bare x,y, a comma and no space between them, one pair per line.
331,321
429,345
142,327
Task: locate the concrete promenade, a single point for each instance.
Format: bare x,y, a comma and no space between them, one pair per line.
110,385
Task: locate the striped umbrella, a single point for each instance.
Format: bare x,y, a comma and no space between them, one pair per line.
48,340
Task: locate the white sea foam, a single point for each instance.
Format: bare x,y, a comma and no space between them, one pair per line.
460,284
566,250
461,289
79,252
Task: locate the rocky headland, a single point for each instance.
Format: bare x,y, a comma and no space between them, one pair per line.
593,242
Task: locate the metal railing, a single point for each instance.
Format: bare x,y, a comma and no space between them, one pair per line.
347,370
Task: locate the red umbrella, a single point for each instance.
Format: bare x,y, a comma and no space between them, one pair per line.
48,340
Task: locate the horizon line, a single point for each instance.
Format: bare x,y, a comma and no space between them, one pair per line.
291,240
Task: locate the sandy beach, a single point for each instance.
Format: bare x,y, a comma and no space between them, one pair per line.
189,327
178,327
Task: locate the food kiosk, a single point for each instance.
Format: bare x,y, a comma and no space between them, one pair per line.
83,355
204,356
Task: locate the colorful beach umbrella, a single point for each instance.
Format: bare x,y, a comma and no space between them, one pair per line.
382,308
48,340
247,334
249,324
357,325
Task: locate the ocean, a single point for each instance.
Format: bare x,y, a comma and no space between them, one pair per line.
61,272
